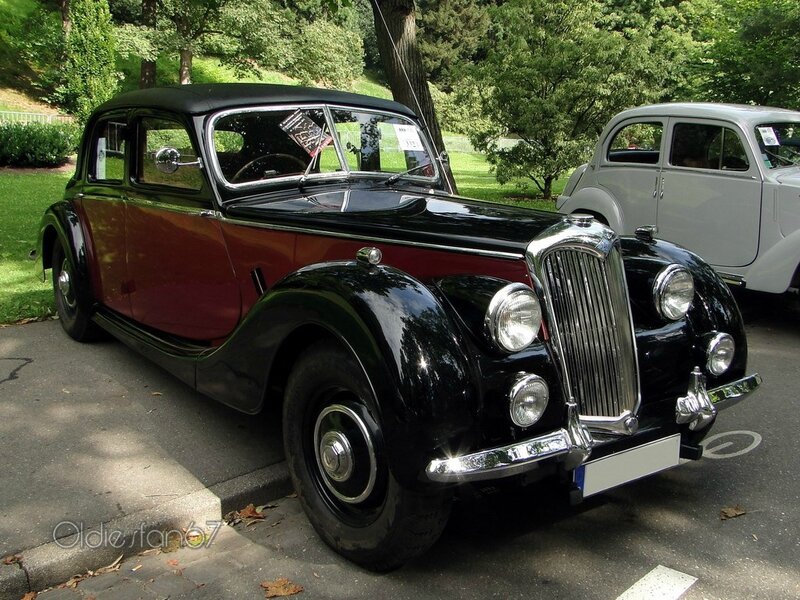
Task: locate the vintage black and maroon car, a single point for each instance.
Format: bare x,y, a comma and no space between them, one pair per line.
301,248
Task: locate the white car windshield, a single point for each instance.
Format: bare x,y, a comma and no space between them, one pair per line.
255,146
779,144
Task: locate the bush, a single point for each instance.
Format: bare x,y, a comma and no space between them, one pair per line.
37,144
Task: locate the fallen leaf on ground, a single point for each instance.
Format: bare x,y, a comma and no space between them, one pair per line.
156,394
249,514
280,587
172,562
73,581
29,596
12,559
731,512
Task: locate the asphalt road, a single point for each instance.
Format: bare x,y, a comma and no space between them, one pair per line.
528,544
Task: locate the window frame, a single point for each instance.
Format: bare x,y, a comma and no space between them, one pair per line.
662,121
91,166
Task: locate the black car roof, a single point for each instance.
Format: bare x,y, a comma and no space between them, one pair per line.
204,98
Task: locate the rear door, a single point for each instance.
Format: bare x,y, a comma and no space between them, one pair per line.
710,196
182,279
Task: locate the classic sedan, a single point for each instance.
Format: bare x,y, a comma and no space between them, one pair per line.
300,248
720,179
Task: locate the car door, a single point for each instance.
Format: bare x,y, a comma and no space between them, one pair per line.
630,168
710,192
101,198
182,280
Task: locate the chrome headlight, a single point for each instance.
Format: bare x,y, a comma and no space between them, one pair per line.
514,317
673,292
720,353
528,399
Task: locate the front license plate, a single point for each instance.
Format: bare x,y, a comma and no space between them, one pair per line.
610,471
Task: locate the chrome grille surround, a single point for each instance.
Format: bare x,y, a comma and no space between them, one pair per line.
578,272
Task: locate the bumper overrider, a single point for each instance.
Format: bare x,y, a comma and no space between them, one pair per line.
573,444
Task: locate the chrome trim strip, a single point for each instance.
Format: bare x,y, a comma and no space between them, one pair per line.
732,393
176,208
732,279
365,238
573,443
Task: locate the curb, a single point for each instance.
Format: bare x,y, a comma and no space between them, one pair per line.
55,562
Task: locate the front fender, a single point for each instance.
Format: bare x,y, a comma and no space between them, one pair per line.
406,342
61,224
595,201
773,270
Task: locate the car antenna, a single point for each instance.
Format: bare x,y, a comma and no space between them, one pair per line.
439,155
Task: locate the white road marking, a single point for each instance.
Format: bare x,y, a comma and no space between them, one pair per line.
661,583
716,451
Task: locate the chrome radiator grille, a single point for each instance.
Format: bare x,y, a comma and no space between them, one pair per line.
592,322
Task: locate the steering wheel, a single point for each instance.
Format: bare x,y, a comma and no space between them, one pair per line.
268,157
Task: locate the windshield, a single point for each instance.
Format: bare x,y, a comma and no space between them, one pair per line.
255,146
779,144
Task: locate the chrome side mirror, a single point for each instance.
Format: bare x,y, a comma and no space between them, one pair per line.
168,160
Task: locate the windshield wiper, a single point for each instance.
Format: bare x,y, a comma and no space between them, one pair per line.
314,158
397,176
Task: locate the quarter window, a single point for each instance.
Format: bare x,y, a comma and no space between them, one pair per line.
109,151
702,146
156,134
636,143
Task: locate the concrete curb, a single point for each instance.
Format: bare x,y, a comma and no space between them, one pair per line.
55,562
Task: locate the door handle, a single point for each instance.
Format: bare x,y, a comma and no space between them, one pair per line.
208,214
662,188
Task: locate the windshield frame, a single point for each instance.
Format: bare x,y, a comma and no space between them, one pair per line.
343,175
761,146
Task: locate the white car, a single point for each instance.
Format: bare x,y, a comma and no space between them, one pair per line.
722,180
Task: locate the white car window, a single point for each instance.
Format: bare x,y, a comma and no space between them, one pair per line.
636,143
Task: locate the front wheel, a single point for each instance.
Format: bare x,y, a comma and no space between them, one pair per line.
73,313
334,450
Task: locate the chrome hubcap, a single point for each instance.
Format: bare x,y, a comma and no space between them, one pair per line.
345,454
65,285
336,456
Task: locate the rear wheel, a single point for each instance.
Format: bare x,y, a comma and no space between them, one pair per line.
73,313
334,450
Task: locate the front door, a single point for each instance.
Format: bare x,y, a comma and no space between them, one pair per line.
181,276
710,196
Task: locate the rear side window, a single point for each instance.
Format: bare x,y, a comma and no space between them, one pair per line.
155,134
108,151
636,143
701,146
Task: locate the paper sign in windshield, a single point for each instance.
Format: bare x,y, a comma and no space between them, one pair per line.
768,136
305,133
408,137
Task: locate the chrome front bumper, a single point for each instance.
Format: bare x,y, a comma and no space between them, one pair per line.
573,444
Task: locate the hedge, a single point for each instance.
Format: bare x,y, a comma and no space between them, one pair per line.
37,144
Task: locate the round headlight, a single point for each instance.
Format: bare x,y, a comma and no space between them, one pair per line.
514,317
720,353
528,399
673,292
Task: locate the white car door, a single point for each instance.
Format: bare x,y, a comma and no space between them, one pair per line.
710,192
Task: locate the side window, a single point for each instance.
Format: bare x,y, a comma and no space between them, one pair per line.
155,134
108,151
707,147
636,143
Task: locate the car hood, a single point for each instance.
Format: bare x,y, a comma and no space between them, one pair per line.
391,214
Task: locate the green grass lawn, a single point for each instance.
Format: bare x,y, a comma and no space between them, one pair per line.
23,200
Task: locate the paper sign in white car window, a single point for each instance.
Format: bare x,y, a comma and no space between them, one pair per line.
408,137
768,136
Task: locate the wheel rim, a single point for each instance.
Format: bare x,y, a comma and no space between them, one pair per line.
345,454
65,286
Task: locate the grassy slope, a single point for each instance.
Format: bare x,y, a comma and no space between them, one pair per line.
24,199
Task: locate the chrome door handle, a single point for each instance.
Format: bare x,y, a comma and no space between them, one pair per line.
208,214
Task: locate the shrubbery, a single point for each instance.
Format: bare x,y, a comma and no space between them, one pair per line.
37,144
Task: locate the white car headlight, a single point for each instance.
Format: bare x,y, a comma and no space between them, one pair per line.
528,399
673,292
514,317
720,353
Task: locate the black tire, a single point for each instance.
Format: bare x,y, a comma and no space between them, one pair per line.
74,315
356,506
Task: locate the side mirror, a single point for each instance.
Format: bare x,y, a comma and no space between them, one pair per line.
168,160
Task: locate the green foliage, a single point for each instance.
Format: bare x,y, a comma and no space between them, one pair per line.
37,144
458,111
88,76
754,53
552,78
327,54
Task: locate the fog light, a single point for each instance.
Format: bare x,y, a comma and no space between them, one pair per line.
528,399
720,353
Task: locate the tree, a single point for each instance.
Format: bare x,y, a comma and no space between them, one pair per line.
147,73
754,53
396,30
551,79
89,76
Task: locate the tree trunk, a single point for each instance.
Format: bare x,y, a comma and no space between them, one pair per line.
395,21
547,192
186,66
147,74
66,21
